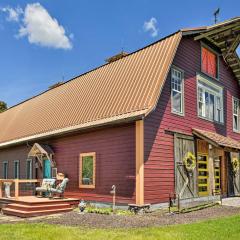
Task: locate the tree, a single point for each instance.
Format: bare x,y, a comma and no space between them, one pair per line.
3,106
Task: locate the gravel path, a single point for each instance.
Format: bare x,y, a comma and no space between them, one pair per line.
158,218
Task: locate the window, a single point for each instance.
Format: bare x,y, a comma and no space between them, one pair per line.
210,100
16,169
177,91
54,172
236,115
5,170
87,170
209,62
29,169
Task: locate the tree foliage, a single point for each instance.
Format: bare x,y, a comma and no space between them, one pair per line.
3,106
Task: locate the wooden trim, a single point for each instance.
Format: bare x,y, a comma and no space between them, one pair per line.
140,162
93,154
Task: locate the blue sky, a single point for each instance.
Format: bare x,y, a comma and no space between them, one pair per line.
86,33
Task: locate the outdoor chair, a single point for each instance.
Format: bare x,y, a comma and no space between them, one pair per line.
60,189
47,184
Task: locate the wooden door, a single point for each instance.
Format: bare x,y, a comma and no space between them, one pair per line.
185,182
47,169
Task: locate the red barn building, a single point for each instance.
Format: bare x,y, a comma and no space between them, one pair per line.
160,121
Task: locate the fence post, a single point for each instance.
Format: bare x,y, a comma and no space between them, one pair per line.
178,202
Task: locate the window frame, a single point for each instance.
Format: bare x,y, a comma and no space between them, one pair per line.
210,83
238,100
5,162
31,173
182,113
203,45
18,172
93,185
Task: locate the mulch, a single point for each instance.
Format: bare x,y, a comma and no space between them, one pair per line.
157,218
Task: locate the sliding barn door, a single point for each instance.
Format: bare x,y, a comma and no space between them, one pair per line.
185,182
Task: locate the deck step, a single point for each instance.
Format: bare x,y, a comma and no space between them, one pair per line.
26,214
38,207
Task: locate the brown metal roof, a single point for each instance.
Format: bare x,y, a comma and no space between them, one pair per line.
217,139
126,88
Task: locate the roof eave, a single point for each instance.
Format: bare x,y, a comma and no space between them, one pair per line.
125,118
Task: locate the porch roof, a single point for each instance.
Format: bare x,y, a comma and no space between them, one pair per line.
217,139
41,150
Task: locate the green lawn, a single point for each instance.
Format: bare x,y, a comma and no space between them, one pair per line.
224,228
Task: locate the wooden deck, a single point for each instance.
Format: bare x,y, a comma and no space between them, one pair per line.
31,206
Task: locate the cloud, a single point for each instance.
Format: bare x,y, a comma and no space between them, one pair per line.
38,26
151,26
13,14
42,29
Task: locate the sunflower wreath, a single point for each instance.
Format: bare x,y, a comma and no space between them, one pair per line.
189,161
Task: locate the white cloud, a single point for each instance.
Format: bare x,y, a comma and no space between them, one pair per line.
13,14
151,26
42,29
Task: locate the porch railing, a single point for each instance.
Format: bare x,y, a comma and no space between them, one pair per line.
16,182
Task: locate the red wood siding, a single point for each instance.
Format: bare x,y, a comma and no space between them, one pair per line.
159,149
115,162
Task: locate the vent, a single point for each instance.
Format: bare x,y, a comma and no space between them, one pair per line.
55,85
116,57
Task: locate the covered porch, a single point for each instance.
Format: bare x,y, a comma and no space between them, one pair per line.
19,197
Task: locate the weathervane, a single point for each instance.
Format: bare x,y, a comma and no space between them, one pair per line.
216,13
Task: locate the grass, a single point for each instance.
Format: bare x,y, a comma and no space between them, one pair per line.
223,228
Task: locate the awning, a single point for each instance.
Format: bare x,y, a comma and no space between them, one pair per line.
42,151
226,36
217,139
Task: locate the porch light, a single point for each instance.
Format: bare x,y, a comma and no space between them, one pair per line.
217,162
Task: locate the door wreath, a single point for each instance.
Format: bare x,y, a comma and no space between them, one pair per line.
189,161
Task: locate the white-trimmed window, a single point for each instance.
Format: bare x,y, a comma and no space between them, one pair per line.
210,100
29,169
236,105
5,169
16,169
177,91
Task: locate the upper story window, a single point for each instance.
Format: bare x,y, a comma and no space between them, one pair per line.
209,62
210,100
235,110
177,93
